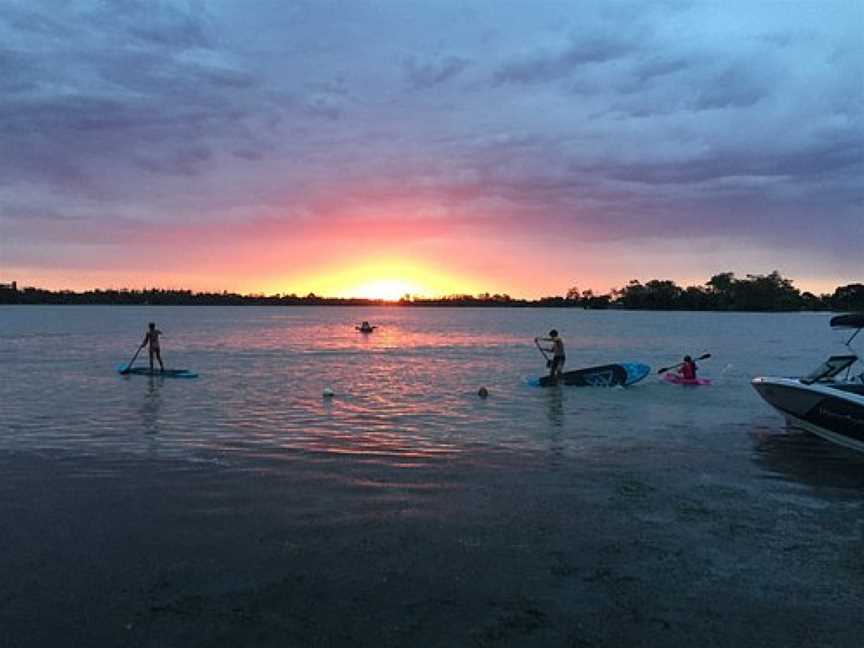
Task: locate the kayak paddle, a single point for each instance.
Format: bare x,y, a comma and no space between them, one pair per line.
665,369
132,361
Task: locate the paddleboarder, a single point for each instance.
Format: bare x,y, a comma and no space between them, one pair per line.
556,348
151,337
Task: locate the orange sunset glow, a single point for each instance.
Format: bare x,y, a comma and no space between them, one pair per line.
389,279
519,159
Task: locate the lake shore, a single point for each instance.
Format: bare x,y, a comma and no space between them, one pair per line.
521,549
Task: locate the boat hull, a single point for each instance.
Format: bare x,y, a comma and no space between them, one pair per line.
831,412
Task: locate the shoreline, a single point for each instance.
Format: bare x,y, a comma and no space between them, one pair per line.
519,550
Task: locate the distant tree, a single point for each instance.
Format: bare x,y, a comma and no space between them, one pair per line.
721,290
694,298
767,292
573,294
592,301
811,302
633,295
662,294
848,298
657,294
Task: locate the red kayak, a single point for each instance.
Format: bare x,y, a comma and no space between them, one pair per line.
677,379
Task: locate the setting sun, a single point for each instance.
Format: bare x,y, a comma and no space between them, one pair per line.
389,289
388,278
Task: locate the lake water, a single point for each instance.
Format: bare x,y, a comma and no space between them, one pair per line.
406,434
408,390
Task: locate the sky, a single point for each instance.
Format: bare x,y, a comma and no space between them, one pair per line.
378,147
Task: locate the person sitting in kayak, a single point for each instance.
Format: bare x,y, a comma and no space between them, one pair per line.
151,337
556,364
688,369
365,327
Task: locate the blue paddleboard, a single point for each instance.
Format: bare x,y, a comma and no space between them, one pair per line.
611,375
145,371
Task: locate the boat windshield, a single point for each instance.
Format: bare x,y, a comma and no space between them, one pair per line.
830,368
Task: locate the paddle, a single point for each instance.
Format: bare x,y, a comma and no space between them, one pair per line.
665,369
543,351
132,361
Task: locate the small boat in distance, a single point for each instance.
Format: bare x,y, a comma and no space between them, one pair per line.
823,403
365,327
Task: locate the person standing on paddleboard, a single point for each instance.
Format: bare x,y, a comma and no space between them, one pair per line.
151,337
556,364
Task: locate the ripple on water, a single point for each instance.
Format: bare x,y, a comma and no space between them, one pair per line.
405,397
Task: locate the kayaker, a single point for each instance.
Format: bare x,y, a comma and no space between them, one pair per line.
688,369
556,364
365,327
151,337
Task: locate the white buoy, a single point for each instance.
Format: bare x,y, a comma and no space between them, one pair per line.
328,393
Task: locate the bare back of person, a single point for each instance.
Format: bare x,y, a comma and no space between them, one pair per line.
151,338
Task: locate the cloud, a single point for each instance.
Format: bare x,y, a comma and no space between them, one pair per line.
322,105
434,71
540,125
544,65
139,85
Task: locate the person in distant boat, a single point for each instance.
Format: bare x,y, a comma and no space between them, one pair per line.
151,337
688,369
556,348
365,327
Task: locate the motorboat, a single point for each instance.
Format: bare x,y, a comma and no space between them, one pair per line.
829,401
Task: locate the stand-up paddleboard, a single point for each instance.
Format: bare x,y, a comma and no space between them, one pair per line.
145,371
612,375
677,379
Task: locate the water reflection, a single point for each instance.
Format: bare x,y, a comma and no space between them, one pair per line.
151,405
554,397
395,332
799,456
404,393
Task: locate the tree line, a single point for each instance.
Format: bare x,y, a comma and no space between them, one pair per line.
723,292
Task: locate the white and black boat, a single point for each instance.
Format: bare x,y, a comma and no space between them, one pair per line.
829,401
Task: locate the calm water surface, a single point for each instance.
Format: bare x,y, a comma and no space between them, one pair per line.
405,395
242,508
